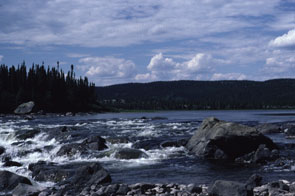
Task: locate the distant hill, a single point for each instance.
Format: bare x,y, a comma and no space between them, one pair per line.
189,95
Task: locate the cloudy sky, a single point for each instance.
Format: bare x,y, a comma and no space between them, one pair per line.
118,41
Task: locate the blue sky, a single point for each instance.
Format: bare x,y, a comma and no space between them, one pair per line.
115,41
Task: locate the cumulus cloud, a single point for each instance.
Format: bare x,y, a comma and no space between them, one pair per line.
287,40
228,76
107,70
280,65
163,68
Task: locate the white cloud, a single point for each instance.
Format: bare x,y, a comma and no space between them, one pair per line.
95,23
286,40
162,68
77,55
107,70
1,57
280,63
228,76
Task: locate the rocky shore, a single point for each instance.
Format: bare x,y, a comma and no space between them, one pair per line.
214,140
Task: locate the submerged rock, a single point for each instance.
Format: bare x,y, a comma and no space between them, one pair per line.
9,180
217,139
25,108
129,153
26,134
118,140
177,143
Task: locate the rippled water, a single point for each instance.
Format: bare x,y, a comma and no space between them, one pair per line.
163,165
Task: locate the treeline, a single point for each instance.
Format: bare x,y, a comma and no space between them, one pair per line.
50,88
198,95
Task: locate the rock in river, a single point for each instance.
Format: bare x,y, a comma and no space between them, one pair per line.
129,153
9,180
25,108
217,139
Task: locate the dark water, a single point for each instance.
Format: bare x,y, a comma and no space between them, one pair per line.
163,165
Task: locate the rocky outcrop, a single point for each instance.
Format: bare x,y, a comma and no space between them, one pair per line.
217,139
25,108
9,180
129,153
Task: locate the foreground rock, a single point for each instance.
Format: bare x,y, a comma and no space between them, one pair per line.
9,180
134,189
80,174
228,188
25,108
25,189
217,139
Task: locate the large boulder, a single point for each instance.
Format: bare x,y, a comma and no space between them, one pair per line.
25,108
9,180
217,139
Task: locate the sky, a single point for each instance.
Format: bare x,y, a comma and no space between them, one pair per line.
120,41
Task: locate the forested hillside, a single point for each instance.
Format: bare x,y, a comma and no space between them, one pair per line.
50,88
188,95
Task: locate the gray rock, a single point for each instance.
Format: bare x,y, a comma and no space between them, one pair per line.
25,189
111,189
192,188
123,189
92,173
128,153
71,149
177,143
9,180
25,108
267,128
117,140
91,143
95,143
26,134
228,188
234,140
262,154
254,181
